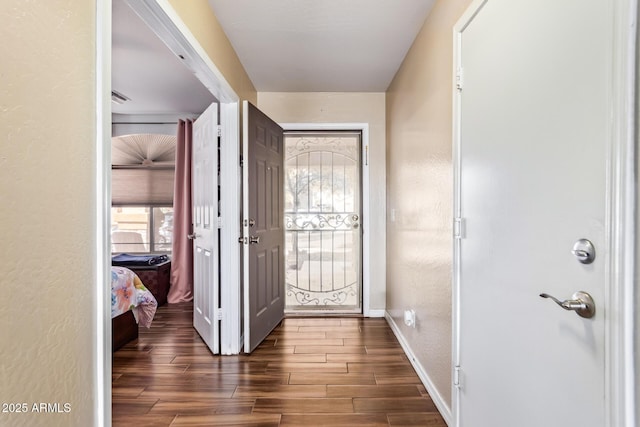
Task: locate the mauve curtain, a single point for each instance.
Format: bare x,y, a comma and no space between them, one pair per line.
182,250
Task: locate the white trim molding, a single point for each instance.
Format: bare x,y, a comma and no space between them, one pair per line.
102,297
366,212
473,9
435,395
377,313
230,208
621,222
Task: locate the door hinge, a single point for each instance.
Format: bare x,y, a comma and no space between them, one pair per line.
241,162
457,377
219,314
458,228
219,222
219,131
459,78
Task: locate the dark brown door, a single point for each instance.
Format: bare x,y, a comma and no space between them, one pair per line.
263,225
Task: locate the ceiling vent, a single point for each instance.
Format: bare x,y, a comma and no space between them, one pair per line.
119,98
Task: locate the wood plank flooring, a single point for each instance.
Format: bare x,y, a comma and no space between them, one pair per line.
309,372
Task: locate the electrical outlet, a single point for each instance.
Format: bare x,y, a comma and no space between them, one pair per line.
410,318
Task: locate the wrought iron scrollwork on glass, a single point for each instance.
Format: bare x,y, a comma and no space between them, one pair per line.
320,221
306,297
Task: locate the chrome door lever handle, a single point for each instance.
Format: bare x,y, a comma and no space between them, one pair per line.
254,239
581,303
192,236
566,304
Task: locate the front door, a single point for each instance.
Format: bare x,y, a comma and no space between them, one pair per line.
205,227
533,132
322,222
263,233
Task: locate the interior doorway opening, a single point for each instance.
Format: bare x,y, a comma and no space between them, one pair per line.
322,220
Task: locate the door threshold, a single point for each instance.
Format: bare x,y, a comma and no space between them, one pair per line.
321,315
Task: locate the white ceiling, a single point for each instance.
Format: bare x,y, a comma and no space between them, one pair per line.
321,45
147,72
284,45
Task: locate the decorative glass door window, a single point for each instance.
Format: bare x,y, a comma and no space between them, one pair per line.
322,222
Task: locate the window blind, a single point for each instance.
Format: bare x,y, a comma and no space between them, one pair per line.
142,186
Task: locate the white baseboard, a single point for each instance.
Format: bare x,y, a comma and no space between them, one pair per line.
440,403
376,313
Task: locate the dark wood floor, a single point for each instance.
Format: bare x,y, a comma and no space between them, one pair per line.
309,372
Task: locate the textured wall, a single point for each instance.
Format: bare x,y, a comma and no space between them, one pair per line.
204,25
47,209
346,108
420,193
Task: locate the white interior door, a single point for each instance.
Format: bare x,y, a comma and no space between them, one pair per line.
533,132
204,180
263,225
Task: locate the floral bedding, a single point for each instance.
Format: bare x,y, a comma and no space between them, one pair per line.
128,293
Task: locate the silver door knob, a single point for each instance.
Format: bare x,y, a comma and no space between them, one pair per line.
254,239
580,302
192,236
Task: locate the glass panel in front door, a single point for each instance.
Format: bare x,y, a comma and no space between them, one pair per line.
323,222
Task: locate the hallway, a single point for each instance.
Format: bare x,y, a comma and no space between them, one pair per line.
309,371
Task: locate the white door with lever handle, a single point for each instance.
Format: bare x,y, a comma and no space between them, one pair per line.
206,261
532,177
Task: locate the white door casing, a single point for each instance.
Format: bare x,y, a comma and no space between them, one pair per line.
166,23
205,227
532,140
160,16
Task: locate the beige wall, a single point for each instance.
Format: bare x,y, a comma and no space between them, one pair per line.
47,209
204,25
420,193
346,108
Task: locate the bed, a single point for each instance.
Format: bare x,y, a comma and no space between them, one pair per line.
131,305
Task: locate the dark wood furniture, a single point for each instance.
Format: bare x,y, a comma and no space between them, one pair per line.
123,329
155,278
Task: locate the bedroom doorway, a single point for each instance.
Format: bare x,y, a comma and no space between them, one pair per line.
323,217
166,28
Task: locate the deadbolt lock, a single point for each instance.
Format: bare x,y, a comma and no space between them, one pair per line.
584,250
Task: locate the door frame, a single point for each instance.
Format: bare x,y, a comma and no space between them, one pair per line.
619,221
160,16
164,21
366,212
